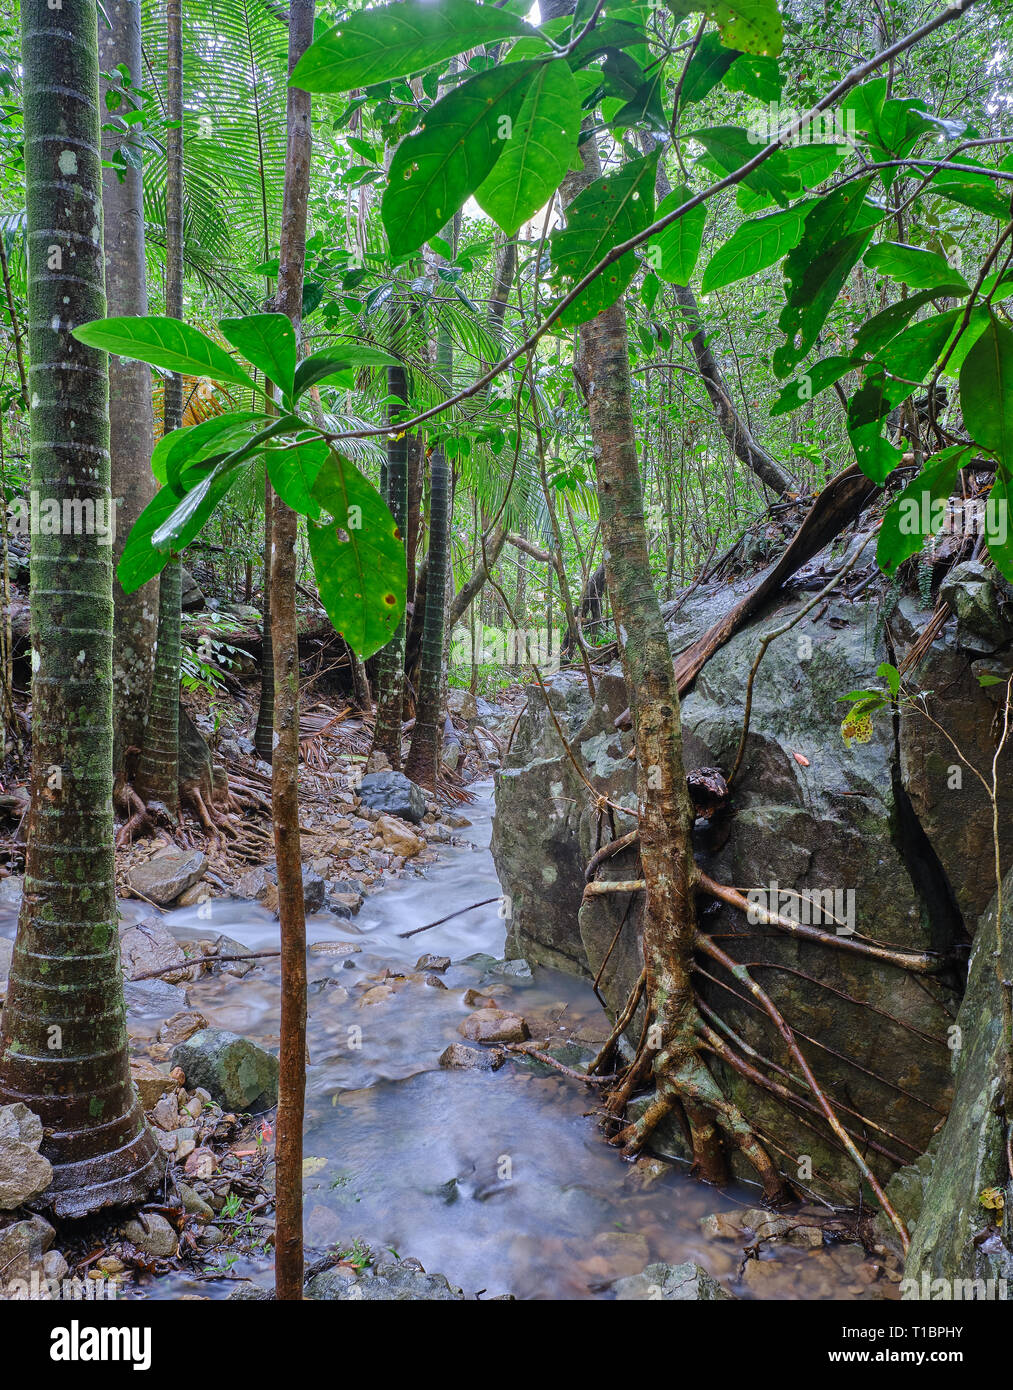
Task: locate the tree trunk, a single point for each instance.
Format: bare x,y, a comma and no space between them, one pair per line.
158,767
288,1245
263,735
63,1040
131,428
390,672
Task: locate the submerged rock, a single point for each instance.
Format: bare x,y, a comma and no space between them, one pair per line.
24,1172
403,1281
685,1283
393,793
457,1057
237,1073
493,1025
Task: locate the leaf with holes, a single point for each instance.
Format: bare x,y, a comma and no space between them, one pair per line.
358,558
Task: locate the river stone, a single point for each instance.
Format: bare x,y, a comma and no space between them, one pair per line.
192,596
152,1234
685,1283
22,1247
163,879
492,1026
151,1083
398,838
457,1057
314,889
403,1281
238,1074
11,891
393,793
24,1172
150,945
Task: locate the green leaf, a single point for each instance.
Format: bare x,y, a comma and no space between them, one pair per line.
730,147
997,529
916,512
913,353
889,673
140,560
359,559
878,330
755,75
194,442
810,383
916,267
189,515
876,456
754,26
164,342
434,172
539,151
673,253
706,68
386,42
608,212
986,391
293,472
753,246
334,365
977,191
268,341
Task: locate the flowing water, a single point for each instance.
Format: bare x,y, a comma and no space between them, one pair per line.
500,1181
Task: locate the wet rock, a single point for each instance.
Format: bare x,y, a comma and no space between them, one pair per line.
398,838
456,822
182,1025
428,962
493,1025
403,1281
24,1172
148,946
256,885
225,946
462,703
979,597
154,998
6,954
314,889
516,971
237,1073
457,1057
193,1203
451,756
394,794
22,1247
151,1083
684,1283
721,1226
193,595
165,1113
195,895
474,1000
152,1234
163,879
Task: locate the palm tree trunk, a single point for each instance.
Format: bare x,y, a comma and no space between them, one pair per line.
131,428
264,733
158,766
288,1243
390,673
63,1038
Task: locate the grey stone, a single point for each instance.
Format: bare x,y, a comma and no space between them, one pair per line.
403,1281
152,1234
23,1246
163,879
684,1283
393,793
24,1172
457,1057
154,998
11,890
150,945
980,598
192,596
428,962
314,889
237,1073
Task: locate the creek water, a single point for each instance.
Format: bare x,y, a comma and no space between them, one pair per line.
500,1181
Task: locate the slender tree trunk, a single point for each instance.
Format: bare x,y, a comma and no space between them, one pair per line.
423,763
158,767
131,428
63,1037
390,678
288,1245
263,735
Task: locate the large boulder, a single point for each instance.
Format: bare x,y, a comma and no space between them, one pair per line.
810,815
162,879
237,1073
393,793
400,1281
150,945
24,1172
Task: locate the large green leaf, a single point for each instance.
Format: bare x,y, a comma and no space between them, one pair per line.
705,69
915,267
754,26
609,211
755,245
878,330
164,342
389,41
998,510
434,172
914,353
140,560
986,391
268,341
539,151
335,365
810,383
294,471
193,442
915,513
730,147
674,252
189,515
358,558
